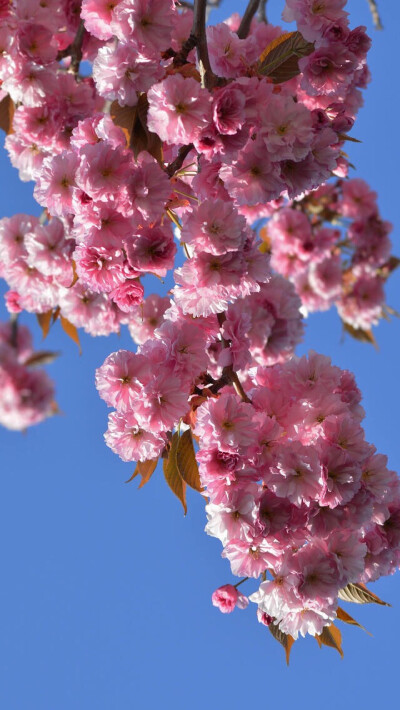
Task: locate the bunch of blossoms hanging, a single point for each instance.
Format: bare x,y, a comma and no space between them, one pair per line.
189,134
344,264
27,393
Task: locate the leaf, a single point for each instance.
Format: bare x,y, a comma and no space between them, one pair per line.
71,331
285,640
172,475
186,460
345,137
145,469
332,637
141,137
7,110
44,320
359,594
364,336
124,117
342,615
41,357
280,59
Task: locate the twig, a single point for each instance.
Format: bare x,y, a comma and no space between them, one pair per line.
199,31
375,14
244,27
74,50
262,13
176,164
228,372
14,330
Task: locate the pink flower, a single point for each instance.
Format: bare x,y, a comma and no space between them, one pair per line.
119,380
121,73
128,295
215,227
147,23
97,15
151,250
125,437
226,598
144,319
225,422
178,109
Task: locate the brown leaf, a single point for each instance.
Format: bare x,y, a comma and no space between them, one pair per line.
141,138
359,594
71,331
7,110
172,475
145,469
345,137
342,615
280,59
332,637
124,117
41,357
44,320
364,336
186,460
284,639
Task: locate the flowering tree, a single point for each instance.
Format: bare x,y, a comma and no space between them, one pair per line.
145,130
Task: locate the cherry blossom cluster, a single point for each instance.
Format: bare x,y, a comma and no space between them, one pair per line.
27,393
297,496
185,135
344,264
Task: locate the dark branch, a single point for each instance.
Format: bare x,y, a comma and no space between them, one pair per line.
375,14
250,11
262,12
199,32
74,50
179,160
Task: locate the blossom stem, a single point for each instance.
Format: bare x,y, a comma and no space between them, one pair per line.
199,32
241,582
262,13
228,370
74,50
176,164
14,330
250,11
375,14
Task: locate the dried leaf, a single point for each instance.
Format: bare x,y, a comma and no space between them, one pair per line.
347,619
44,320
124,117
141,138
186,460
145,469
172,475
7,110
364,336
280,59
71,331
345,137
359,594
332,637
41,357
284,639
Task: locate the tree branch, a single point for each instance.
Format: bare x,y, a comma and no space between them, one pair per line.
262,13
199,32
179,160
74,50
250,11
375,14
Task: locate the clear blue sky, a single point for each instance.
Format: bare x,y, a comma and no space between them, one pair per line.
105,591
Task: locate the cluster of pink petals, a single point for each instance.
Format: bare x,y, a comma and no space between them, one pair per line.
344,264
296,493
27,393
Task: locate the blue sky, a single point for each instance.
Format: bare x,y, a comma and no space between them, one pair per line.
105,596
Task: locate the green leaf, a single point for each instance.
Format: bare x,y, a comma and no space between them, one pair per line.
186,460
145,469
285,640
172,475
71,331
359,594
280,59
332,637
